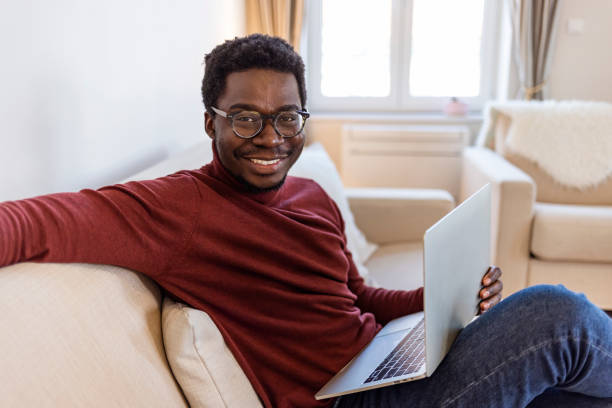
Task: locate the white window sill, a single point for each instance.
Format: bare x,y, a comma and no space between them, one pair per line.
403,117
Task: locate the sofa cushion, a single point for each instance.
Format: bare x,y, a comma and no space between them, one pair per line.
572,233
592,279
201,361
398,266
76,335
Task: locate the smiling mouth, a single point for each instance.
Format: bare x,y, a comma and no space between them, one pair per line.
265,166
265,162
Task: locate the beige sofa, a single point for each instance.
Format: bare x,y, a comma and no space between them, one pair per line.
549,233
78,335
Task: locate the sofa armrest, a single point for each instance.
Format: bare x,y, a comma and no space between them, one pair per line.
512,209
390,215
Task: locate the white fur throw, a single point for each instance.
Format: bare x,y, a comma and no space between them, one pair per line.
570,140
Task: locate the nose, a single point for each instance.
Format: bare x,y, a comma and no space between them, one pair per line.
268,135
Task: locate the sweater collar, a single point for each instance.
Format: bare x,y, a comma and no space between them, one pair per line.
222,174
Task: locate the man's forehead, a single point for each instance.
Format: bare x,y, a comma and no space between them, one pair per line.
261,87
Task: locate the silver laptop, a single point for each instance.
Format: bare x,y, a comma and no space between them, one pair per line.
456,255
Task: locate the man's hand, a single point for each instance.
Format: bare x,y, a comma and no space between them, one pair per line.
490,294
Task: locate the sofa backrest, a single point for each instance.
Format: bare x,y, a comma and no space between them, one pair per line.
548,190
77,335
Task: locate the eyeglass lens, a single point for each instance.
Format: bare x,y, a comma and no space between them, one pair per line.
247,124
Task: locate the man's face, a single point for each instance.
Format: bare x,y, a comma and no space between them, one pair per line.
264,160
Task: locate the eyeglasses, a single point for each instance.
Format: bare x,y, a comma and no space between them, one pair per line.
248,124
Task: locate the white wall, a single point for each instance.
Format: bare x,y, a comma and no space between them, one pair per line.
582,63
93,91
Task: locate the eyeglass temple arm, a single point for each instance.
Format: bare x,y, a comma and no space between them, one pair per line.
219,111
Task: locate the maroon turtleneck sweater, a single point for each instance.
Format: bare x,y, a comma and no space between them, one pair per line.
271,269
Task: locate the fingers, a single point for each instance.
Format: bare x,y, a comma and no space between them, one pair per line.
491,290
493,286
493,274
486,305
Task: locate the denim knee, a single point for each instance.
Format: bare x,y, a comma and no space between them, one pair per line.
559,303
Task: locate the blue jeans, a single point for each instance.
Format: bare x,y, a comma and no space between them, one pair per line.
541,347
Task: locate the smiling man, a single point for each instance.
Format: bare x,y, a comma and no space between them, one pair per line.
265,255
257,154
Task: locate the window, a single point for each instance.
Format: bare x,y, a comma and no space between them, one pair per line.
400,55
366,55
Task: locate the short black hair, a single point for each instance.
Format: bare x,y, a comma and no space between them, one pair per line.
242,53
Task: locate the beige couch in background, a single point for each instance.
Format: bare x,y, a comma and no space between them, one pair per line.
545,232
78,335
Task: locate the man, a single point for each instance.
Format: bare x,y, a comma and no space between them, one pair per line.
265,255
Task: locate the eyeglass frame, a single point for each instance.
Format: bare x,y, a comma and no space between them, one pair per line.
305,115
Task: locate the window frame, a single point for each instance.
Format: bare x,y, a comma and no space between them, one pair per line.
399,99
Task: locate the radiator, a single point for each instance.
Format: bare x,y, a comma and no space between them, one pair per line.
375,155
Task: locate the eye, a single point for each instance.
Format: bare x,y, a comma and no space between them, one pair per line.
246,118
288,117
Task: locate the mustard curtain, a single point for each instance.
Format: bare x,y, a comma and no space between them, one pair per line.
281,18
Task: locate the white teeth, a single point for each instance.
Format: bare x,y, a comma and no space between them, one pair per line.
265,162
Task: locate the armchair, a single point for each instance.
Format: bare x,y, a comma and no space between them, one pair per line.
545,231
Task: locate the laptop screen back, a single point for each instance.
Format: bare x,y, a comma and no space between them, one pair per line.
456,257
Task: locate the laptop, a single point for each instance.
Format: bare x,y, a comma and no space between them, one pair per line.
456,255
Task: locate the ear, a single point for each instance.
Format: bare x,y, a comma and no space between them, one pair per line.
209,125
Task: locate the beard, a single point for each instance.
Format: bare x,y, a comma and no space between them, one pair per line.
256,190
250,188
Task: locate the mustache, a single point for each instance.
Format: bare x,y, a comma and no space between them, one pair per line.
279,151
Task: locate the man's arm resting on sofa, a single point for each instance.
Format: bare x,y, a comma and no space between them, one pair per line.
127,225
512,210
387,215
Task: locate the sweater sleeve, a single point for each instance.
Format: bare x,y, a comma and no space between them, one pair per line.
384,304
137,225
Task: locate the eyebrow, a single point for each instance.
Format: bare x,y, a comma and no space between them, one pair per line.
254,108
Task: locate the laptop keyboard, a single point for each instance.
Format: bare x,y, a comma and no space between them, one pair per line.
407,357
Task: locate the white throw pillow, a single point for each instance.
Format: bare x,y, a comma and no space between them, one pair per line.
202,364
